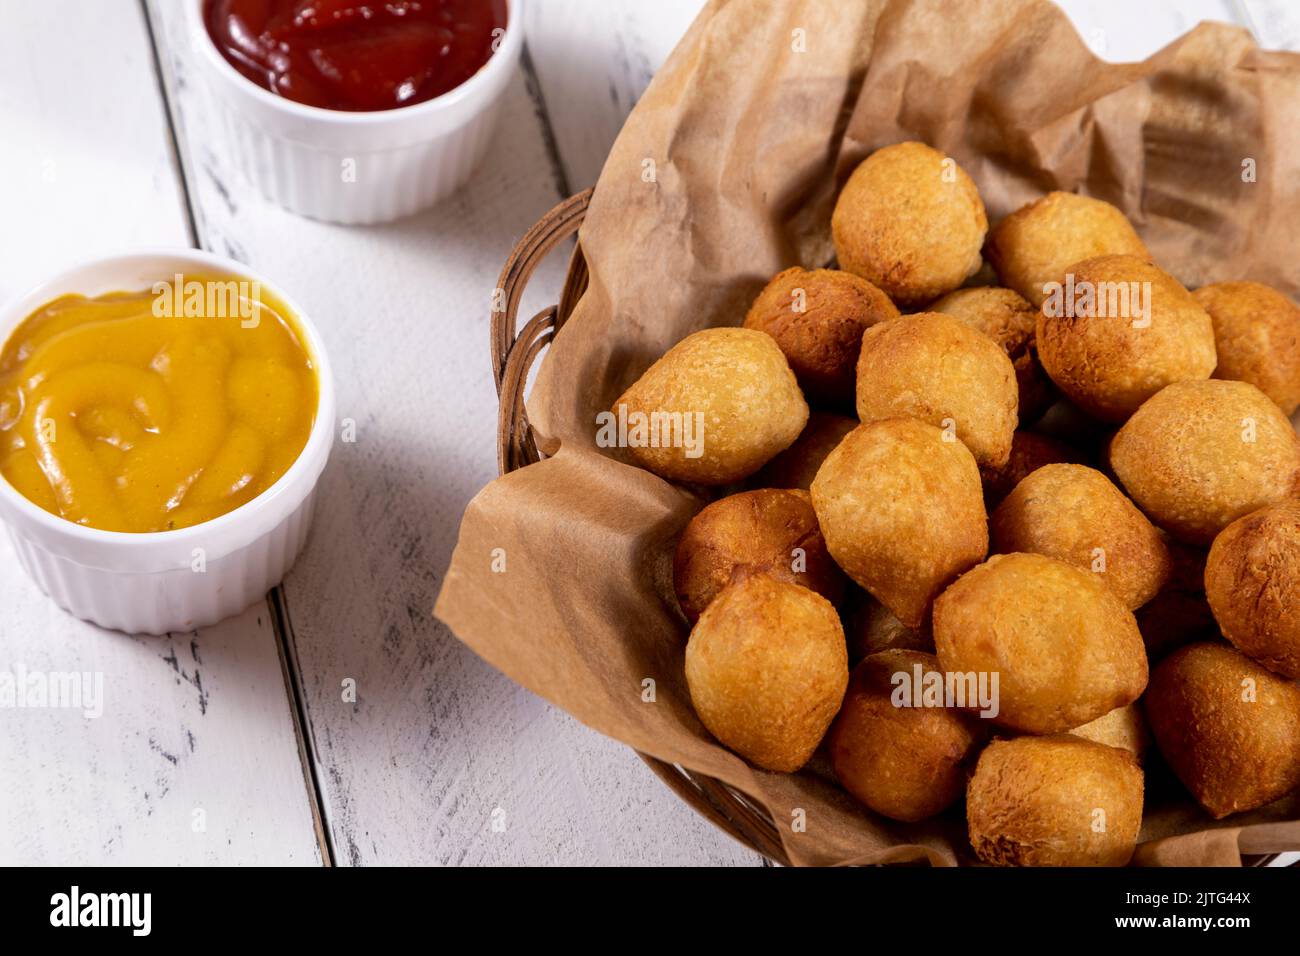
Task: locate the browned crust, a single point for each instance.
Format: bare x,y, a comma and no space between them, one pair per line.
1054,801
906,763
911,221
1038,242
1232,752
1109,366
822,342
767,668
1201,454
938,370
1257,335
1075,514
1252,581
1066,649
902,512
1008,319
754,532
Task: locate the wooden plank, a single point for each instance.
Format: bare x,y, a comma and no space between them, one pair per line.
1120,30
594,65
1275,23
194,758
437,741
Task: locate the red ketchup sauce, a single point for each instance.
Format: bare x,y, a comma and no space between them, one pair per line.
347,55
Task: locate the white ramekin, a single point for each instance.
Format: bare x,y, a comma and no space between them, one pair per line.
147,583
356,167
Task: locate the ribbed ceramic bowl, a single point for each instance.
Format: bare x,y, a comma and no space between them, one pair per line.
171,580
356,167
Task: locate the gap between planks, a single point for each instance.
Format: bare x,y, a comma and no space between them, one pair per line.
277,605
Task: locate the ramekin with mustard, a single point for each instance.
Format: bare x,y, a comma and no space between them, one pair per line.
164,419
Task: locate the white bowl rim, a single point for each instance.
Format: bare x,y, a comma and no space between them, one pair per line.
502,60
319,441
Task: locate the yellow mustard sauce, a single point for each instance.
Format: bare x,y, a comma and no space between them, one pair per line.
154,410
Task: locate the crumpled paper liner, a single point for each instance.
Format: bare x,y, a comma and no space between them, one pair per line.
726,173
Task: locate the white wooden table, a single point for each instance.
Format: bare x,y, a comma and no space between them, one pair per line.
234,744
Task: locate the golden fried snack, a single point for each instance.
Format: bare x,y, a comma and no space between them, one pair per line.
767,669
1029,452
1257,335
1066,649
1229,728
911,221
1252,581
1038,242
1179,614
904,762
713,410
769,531
937,370
1128,330
870,627
1005,317
818,318
797,466
1199,455
902,512
1075,514
1124,727
1054,801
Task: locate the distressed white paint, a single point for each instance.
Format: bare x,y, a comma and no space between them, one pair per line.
193,722
437,741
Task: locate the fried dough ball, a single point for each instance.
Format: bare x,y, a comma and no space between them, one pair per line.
727,395
1227,727
1054,801
1066,649
1038,242
1179,614
911,221
1075,514
1252,581
1029,452
767,668
769,531
870,627
818,318
937,370
904,762
1112,349
1124,727
1005,317
797,466
902,512
1257,335
1199,455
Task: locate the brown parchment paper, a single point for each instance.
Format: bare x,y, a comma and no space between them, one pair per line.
725,173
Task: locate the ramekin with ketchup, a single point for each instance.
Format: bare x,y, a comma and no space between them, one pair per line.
357,112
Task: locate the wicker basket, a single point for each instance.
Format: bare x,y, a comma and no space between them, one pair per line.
514,351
